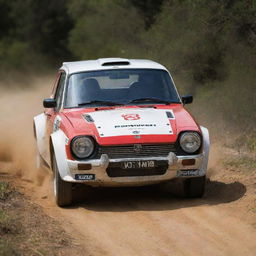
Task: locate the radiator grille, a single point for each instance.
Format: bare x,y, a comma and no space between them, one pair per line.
119,172
133,151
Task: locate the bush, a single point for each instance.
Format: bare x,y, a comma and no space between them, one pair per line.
104,29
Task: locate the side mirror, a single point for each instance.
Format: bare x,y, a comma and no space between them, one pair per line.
187,99
49,103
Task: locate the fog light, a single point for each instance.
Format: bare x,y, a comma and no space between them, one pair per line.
187,162
84,166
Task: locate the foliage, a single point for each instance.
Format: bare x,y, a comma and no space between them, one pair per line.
148,9
209,46
33,31
104,28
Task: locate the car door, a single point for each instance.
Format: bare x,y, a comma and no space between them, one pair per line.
51,113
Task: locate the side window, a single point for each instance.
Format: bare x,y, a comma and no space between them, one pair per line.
59,91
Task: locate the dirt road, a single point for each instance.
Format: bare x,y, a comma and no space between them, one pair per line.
136,221
147,222
144,221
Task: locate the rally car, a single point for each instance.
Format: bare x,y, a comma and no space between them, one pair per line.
119,122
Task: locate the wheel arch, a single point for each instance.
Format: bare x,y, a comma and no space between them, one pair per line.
39,125
206,148
58,148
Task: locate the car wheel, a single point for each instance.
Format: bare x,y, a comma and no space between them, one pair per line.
195,187
62,189
187,187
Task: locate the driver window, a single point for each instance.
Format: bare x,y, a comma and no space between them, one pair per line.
59,92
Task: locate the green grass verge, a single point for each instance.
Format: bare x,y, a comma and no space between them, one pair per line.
4,190
246,164
6,224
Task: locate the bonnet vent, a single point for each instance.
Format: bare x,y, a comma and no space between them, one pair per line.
170,114
88,118
119,63
114,62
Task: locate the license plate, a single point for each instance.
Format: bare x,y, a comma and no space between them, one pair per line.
138,164
188,173
85,176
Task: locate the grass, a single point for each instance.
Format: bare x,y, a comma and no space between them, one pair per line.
251,142
244,163
253,209
4,190
4,218
6,226
25,229
6,249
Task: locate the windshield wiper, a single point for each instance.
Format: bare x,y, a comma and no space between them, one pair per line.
100,102
156,100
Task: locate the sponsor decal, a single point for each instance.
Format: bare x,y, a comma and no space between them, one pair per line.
134,122
135,125
128,117
56,123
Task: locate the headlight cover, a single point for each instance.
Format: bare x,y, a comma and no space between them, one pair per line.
82,146
190,142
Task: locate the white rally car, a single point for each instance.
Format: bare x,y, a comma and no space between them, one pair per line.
120,122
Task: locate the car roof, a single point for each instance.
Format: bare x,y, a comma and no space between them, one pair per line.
109,63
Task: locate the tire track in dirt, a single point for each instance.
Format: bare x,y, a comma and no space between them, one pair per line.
145,222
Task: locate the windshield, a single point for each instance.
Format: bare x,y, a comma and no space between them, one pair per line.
122,86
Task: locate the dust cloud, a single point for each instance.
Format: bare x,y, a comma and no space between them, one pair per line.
19,104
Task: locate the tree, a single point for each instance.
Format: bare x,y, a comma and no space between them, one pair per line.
148,10
104,28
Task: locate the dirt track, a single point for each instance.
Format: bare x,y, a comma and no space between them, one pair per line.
138,221
147,222
144,221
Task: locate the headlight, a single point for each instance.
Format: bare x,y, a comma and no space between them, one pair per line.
190,142
82,147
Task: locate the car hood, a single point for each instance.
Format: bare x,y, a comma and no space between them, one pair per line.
132,124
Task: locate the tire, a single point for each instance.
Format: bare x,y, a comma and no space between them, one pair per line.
195,187
62,189
187,188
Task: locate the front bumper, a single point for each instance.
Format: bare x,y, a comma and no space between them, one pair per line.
175,169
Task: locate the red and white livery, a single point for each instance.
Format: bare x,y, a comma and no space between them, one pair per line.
120,122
